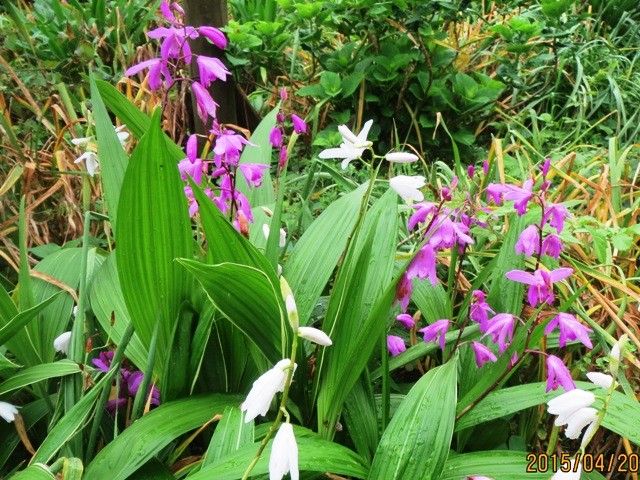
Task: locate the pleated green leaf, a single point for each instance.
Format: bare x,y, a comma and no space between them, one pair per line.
38,373
314,455
316,253
498,464
231,434
34,472
113,159
417,441
153,230
246,297
107,304
622,415
69,425
22,319
358,310
150,434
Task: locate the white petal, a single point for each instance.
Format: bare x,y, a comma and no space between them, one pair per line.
283,238
588,434
615,351
265,230
347,134
61,343
401,157
264,389
284,454
569,402
601,379
314,335
290,303
579,420
408,187
364,133
8,411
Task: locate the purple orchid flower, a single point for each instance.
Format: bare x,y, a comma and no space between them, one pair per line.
436,331
423,210
482,354
423,265
214,35
555,214
558,375
275,137
191,166
253,173
500,327
205,105
103,362
570,329
404,289
479,310
445,233
299,125
520,195
406,320
529,241
552,246
395,345
211,69
540,283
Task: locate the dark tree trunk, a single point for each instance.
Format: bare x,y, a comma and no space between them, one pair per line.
233,104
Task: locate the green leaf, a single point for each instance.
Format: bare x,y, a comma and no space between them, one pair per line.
358,309
247,298
416,443
107,304
137,122
622,415
113,159
34,472
499,464
433,301
21,320
259,152
316,253
231,434
67,427
38,373
314,455
150,434
153,229
331,83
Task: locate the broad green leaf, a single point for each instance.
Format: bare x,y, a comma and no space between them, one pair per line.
31,414
153,230
259,152
231,434
38,373
246,297
361,418
498,464
137,122
107,304
417,441
6,365
314,455
113,159
22,319
34,472
69,425
358,309
433,301
622,415
150,434
316,253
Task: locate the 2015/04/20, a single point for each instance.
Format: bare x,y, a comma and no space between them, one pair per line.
622,462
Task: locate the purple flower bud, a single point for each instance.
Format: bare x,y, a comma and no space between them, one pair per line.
406,320
299,125
471,170
283,94
206,106
395,345
275,137
282,157
545,167
280,117
214,35
485,167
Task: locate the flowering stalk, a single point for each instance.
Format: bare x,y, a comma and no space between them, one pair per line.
282,410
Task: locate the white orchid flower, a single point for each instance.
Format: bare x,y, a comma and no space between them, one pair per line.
408,187
314,335
352,146
400,157
573,410
264,389
8,411
61,343
284,454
